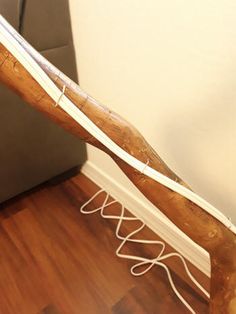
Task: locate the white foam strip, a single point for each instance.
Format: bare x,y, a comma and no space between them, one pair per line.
17,50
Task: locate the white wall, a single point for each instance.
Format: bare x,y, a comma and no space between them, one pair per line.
169,67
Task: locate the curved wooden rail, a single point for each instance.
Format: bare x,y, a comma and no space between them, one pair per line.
200,226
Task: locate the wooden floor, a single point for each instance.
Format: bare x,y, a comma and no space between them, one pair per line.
54,260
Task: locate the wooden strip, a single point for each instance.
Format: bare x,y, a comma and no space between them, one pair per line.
203,228
50,309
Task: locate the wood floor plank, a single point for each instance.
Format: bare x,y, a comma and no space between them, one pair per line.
54,260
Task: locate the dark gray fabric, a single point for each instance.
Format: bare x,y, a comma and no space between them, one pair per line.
46,23
33,149
10,10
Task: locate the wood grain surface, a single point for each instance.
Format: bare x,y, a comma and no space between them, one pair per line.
200,226
55,260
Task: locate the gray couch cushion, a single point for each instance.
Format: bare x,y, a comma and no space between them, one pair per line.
10,9
34,149
46,24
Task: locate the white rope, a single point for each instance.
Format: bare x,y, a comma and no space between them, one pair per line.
140,261
8,38
62,93
147,163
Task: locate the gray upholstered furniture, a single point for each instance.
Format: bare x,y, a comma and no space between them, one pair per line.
33,149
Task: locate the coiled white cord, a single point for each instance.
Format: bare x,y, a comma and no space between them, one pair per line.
140,261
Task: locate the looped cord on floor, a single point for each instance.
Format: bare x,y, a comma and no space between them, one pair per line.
140,261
